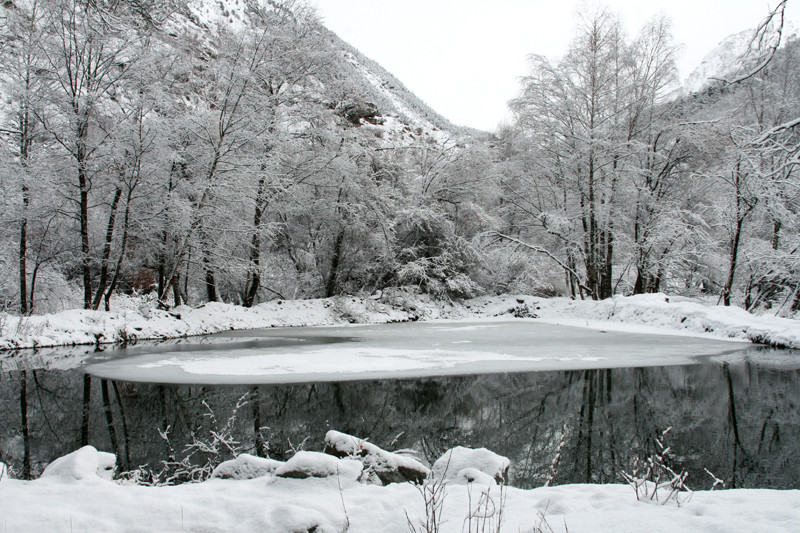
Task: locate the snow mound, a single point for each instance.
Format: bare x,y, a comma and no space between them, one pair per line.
387,467
473,475
84,464
246,466
679,314
315,464
292,518
452,464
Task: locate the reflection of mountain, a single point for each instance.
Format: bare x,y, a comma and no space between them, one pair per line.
737,420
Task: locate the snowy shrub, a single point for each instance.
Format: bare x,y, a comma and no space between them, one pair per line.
485,515
654,480
506,269
200,457
431,256
433,494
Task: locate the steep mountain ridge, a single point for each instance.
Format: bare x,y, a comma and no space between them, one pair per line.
728,57
372,83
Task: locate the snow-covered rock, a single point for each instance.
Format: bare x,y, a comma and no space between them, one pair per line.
387,467
473,475
315,464
83,464
452,464
246,466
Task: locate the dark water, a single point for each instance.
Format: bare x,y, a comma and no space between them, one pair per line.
740,420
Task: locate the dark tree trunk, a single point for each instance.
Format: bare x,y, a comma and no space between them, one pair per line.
87,402
112,432
726,291
123,247
23,253
330,286
26,439
104,266
81,157
254,271
258,441
208,268
126,459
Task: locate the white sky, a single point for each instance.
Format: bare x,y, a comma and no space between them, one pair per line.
464,57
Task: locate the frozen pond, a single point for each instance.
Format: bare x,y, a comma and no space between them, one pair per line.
407,350
526,390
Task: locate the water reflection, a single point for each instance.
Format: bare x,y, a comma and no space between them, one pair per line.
740,420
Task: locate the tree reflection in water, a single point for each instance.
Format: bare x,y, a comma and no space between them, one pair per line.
740,421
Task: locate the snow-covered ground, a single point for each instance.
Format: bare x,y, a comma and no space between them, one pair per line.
655,313
75,500
78,496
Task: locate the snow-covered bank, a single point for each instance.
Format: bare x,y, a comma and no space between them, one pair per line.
338,503
656,313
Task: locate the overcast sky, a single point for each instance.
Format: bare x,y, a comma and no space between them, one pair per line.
464,57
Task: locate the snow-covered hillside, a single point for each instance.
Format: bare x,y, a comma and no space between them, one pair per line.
728,57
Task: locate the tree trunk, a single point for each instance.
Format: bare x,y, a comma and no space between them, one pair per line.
81,157
126,459
104,267
726,291
258,441
23,253
123,246
26,438
112,432
254,271
330,286
211,282
87,400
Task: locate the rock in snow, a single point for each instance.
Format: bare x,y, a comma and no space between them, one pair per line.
315,464
452,464
473,475
388,467
83,464
246,466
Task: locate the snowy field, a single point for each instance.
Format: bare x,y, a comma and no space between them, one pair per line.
74,499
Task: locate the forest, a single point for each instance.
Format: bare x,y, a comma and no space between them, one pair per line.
151,148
